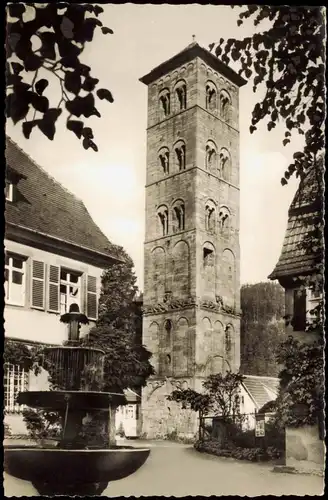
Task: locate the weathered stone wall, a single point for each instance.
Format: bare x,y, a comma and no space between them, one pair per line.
160,417
304,449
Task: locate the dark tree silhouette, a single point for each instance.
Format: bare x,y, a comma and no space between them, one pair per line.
50,39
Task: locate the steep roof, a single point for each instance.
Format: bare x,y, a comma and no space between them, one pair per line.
192,51
44,206
296,258
260,388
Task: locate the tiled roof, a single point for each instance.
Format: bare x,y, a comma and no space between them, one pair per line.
45,206
295,259
189,53
258,388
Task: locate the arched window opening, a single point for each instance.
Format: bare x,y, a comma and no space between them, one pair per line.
224,219
211,96
228,339
164,157
179,217
211,155
210,218
163,217
181,95
208,257
164,99
167,332
225,164
225,105
180,151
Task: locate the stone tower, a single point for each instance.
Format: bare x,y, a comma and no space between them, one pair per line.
191,287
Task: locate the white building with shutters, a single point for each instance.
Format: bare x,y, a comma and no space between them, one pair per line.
54,256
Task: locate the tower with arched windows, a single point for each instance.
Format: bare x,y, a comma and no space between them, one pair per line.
191,287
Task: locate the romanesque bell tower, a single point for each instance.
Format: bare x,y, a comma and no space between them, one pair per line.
191,287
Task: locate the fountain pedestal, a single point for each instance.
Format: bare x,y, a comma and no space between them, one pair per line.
75,466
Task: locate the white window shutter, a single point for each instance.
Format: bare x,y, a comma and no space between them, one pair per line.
92,300
38,285
53,295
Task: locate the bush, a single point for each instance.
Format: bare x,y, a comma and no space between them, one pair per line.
42,424
120,431
252,454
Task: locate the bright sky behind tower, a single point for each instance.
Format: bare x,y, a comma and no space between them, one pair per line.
111,182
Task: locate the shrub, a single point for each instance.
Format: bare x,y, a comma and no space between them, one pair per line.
252,454
42,424
120,430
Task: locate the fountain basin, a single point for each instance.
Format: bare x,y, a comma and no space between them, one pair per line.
79,400
54,471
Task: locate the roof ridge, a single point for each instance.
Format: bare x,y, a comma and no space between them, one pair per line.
45,172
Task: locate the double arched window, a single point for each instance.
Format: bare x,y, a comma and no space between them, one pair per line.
180,155
164,158
163,220
225,105
165,102
211,96
224,219
211,156
210,216
180,92
178,216
225,165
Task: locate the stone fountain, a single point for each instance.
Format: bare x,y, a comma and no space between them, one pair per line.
74,466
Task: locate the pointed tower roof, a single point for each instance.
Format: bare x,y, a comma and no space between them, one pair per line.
186,55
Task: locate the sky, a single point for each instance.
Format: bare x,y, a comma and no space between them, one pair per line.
111,182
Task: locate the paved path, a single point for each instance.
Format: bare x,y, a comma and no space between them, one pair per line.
178,470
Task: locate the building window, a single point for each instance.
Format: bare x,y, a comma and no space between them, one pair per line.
225,164
9,191
225,105
16,380
70,289
211,155
163,217
224,216
164,99
299,317
181,95
179,217
15,275
228,339
208,257
180,152
167,333
164,158
211,94
210,218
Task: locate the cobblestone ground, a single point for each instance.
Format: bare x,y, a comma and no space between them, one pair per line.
179,470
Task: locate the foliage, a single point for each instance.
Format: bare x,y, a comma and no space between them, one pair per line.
120,431
42,424
50,38
251,454
262,327
219,397
116,332
287,59
25,356
300,399
262,302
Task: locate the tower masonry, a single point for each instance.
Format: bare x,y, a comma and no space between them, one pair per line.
191,288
